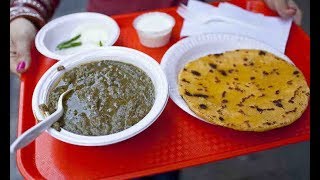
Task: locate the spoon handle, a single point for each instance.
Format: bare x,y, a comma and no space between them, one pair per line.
32,133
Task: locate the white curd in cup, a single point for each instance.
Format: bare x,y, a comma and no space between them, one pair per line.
154,28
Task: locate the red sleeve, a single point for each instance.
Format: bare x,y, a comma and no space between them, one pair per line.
112,7
37,11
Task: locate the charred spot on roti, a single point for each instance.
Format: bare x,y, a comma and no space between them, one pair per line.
275,70
196,73
217,80
218,55
223,94
223,72
230,70
240,105
246,98
224,101
278,103
267,123
247,123
295,72
203,106
213,66
265,73
184,80
200,95
238,89
295,93
242,112
187,93
262,95
261,110
235,83
262,53
292,111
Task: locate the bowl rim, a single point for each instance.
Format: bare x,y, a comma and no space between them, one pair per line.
40,36
161,97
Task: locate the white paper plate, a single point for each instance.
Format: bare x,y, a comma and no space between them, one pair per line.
115,53
191,48
60,29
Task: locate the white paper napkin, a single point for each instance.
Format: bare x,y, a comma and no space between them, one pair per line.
273,31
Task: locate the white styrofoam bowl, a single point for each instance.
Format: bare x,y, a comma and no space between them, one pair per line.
122,54
60,29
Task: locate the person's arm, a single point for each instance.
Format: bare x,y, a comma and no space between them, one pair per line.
286,8
26,17
36,11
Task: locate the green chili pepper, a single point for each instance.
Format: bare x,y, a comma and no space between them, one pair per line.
68,42
100,43
75,44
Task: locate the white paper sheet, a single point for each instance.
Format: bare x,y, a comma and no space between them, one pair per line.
273,31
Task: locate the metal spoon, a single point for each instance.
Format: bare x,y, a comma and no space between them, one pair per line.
32,133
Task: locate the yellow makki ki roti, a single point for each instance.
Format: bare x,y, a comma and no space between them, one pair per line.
246,90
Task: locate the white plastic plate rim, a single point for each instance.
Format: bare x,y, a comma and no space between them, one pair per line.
122,54
193,47
40,37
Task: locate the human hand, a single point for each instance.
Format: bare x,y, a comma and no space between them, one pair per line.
286,9
22,33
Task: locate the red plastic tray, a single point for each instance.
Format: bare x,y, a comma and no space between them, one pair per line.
176,140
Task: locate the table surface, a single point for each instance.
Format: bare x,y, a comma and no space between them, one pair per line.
175,140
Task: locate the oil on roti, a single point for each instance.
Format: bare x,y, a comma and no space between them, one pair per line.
246,90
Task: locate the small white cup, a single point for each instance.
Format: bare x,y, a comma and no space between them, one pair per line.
154,28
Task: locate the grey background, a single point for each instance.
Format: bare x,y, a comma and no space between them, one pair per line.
290,162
